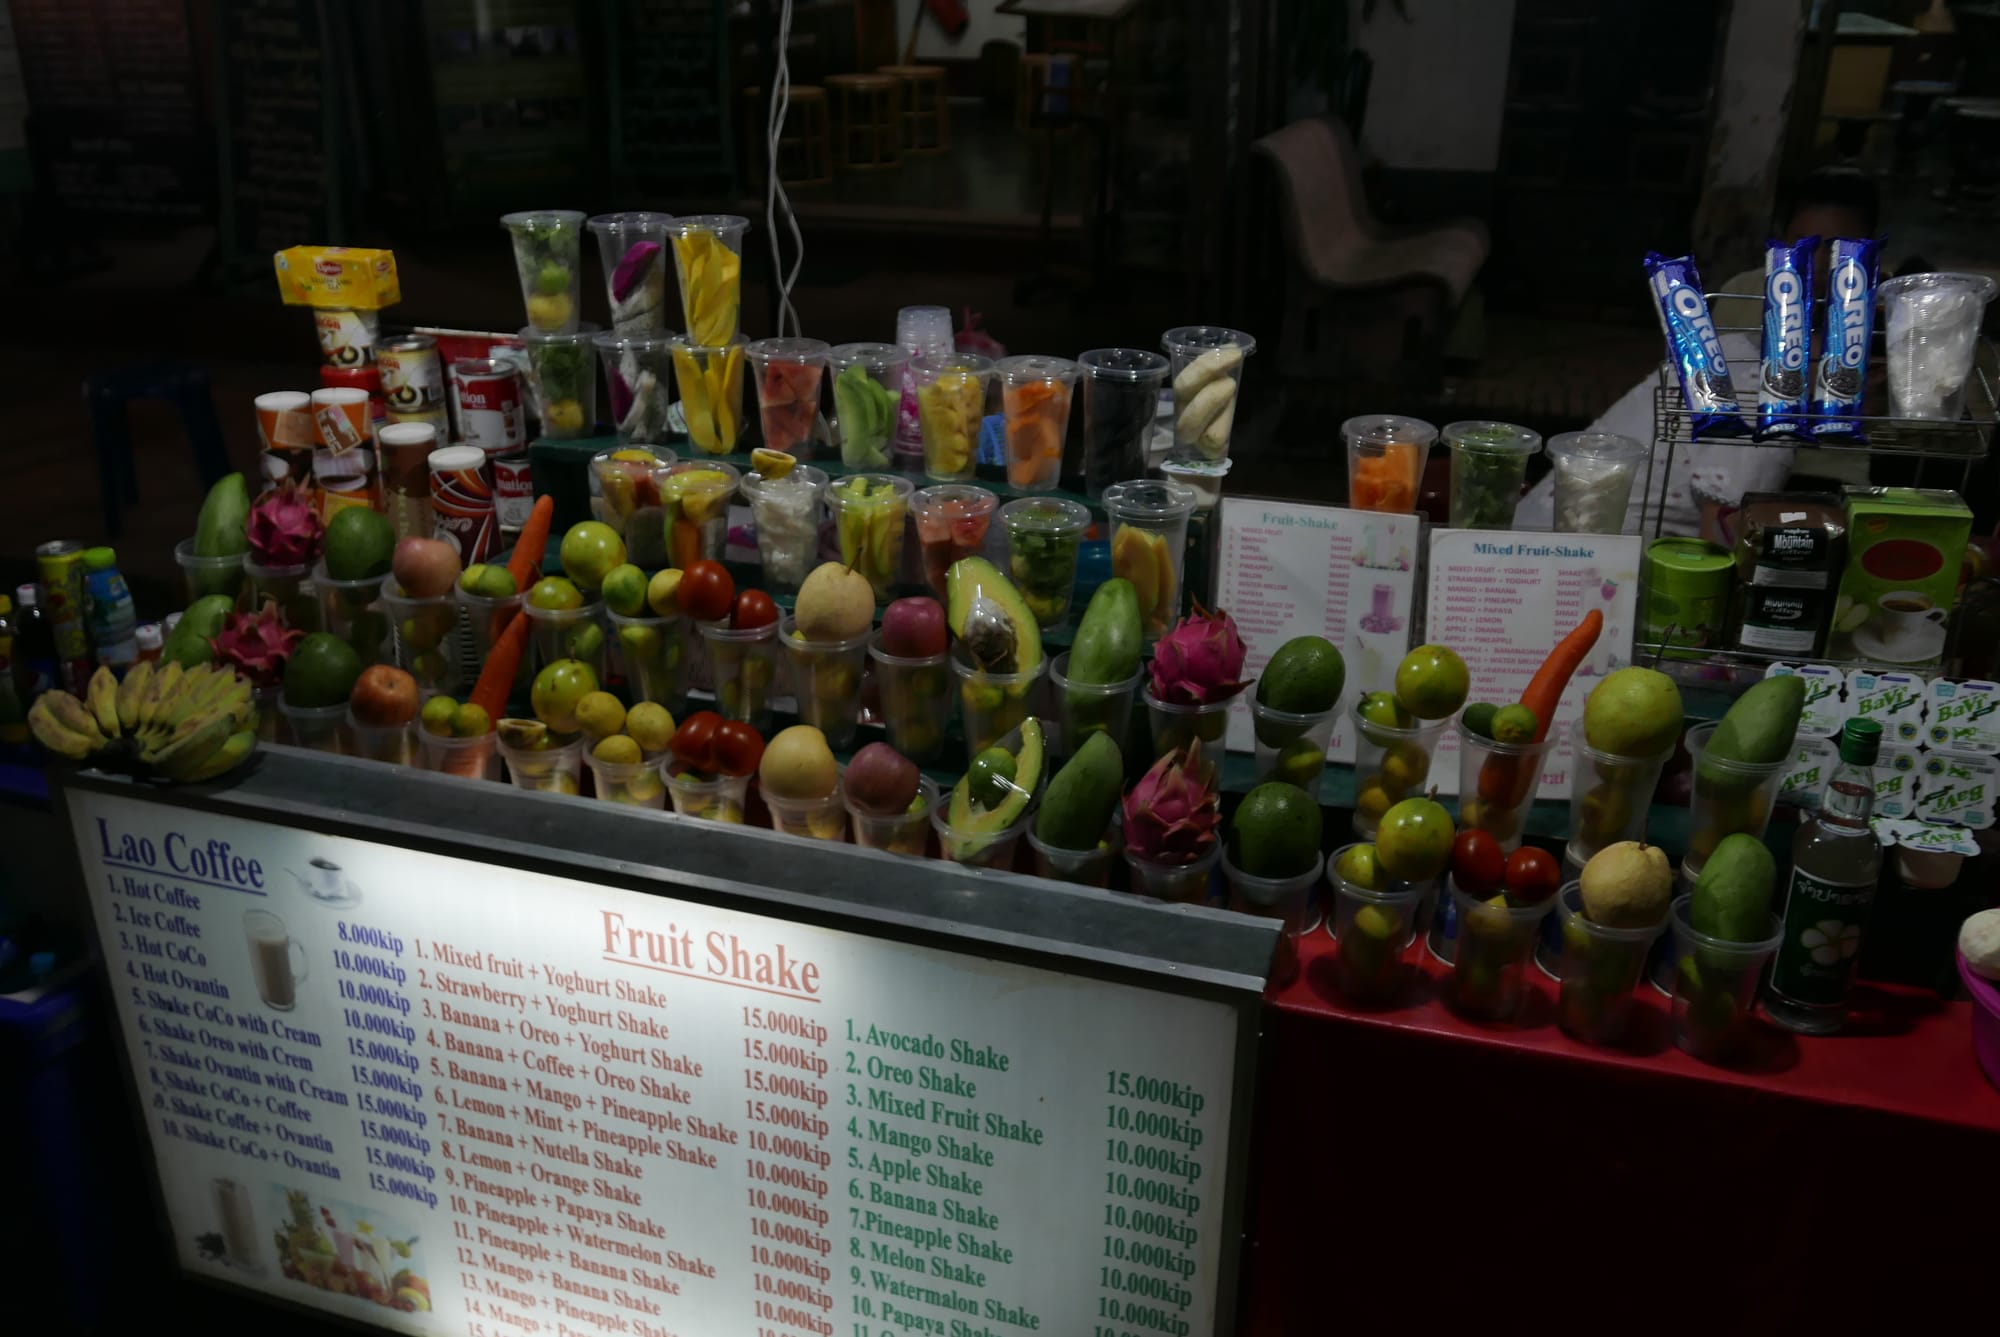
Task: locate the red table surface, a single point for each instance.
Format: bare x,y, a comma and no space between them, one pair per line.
1412,1166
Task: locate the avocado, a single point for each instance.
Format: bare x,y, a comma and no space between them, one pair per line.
989,615
1109,639
359,544
321,671
1732,897
966,816
1763,723
1082,797
219,531
1304,677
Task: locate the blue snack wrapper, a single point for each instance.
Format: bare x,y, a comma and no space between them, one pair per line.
1784,374
1694,346
1842,375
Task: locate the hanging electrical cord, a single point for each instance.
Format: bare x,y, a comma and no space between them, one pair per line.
775,197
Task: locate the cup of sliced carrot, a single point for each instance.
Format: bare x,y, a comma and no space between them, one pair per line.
1385,461
1035,397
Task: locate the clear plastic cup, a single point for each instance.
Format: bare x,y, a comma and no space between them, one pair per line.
1385,461
625,494
1489,467
1149,524
568,633
1291,745
1204,479
388,743
868,518
977,849
710,379
708,259
1285,898
651,657
1391,764
1121,400
1497,784
1715,986
1082,709
639,377
269,721
789,372
547,770
867,396
1173,725
1610,797
548,251
1489,973
826,681
1035,396
915,697
424,637
485,619
1728,797
809,819
1932,323
1083,868
563,379
1208,371
1184,884
720,799
634,250
786,513
205,576
637,784
290,587
321,728
952,520
1372,932
468,758
907,833
951,390
352,610
745,668
1597,970
1594,475
993,704
694,497
1043,537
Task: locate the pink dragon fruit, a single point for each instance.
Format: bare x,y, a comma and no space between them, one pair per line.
1198,660
1172,814
257,645
283,527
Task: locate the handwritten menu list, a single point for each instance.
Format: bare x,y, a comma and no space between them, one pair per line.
446,1097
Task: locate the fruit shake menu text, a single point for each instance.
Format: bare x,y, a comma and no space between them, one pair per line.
446,1097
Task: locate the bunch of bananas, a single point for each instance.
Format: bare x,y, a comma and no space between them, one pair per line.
165,720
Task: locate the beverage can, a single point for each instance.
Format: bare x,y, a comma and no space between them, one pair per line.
412,373
286,434
513,490
60,564
488,394
346,336
341,414
344,464
404,452
462,501
1685,604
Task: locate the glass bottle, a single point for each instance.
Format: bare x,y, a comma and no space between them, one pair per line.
1836,864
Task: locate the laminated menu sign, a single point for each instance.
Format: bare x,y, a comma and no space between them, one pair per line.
1285,570
1503,599
440,1096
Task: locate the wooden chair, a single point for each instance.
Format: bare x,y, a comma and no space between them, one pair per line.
805,149
875,123
925,111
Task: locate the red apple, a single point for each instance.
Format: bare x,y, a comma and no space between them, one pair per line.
384,695
914,629
425,568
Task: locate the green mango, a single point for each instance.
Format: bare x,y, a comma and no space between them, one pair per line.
1076,811
1763,723
219,531
1110,638
1732,897
188,645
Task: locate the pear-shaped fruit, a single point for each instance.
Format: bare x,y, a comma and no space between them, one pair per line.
1627,885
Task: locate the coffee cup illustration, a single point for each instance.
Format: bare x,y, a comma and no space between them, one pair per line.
1907,618
272,962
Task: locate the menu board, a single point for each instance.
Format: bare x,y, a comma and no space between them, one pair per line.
279,184
1503,599
671,99
1286,569
444,1096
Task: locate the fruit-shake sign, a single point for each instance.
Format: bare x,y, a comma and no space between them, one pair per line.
399,1065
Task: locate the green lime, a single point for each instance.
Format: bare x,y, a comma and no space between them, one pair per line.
1276,832
1479,718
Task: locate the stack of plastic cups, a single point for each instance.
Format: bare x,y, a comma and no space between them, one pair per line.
634,249
1597,970
1121,399
1372,930
907,833
1082,709
562,379
789,372
1149,526
1497,783
915,697
951,390
548,770
922,332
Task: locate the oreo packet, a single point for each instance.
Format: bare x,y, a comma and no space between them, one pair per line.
1694,346
1784,374
1842,375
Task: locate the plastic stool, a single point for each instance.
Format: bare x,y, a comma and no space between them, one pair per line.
925,112
876,126
181,384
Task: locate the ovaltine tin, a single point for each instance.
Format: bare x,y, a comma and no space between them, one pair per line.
287,433
341,414
490,415
347,337
513,491
462,501
346,478
412,374
60,563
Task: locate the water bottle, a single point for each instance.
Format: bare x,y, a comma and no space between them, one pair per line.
35,667
109,613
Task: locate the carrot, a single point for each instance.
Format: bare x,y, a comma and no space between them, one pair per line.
533,545
1503,779
503,661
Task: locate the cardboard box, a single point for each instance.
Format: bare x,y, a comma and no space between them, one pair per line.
1905,546
337,276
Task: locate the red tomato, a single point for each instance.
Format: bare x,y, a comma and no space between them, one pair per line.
1478,864
707,591
738,748
1533,876
694,741
754,609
